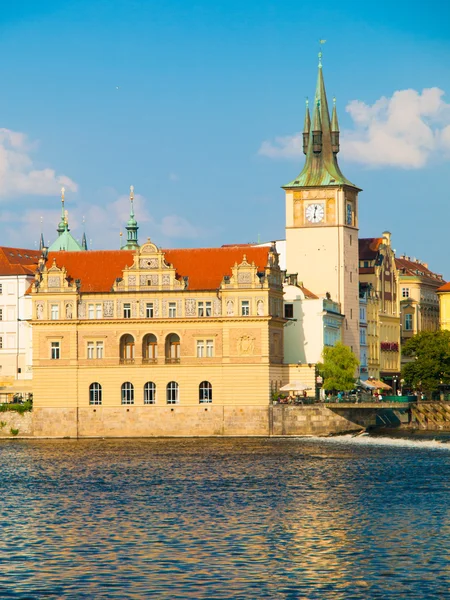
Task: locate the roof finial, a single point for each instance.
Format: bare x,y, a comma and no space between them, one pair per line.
131,200
62,194
320,52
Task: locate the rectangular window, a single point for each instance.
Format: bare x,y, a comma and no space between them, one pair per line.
362,337
1,314
245,308
54,312
366,264
408,322
200,348
351,313
208,309
172,310
55,351
405,292
127,311
99,348
149,312
288,311
1,342
90,350
90,311
200,309
209,348
1,288
98,311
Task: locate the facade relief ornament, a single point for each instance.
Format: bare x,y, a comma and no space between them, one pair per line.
246,345
131,280
148,263
69,310
217,307
164,308
156,308
119,308
108,308
40,311
245,277
54,281
82,310
189,308
166,280
230,308
260,308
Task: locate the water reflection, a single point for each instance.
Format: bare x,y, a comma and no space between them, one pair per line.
223,519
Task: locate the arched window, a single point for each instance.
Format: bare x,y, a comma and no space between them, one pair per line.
127,393
149,393
173,348
127,349
205,392
172,393
149,348
95,393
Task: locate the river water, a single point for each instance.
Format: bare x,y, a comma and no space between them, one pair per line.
225,518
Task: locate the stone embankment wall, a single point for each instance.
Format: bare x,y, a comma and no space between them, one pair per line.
13,420
319,420
190,421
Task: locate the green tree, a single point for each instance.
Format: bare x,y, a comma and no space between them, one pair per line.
338,368
430,364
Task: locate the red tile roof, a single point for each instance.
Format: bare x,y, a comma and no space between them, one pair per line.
205,267
18,261
406,266
368,248
444,288
308,295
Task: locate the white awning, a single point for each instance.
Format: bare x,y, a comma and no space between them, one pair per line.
294,386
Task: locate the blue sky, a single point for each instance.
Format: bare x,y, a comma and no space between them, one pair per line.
197,104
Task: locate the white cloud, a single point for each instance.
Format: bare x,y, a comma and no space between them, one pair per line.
18,174
400,131
174,226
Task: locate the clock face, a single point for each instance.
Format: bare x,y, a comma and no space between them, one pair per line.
315,213
349,214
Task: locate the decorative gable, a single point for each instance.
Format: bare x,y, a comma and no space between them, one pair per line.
150,271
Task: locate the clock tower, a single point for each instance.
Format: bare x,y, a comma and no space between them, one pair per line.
322,218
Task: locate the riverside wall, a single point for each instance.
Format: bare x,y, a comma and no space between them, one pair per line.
196,421
12,422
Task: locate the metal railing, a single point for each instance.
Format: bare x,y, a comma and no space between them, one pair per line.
172,361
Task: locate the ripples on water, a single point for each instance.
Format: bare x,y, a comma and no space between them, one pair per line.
224,518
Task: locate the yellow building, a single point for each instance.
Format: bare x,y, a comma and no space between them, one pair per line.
152,342
419,302
377,270
443,293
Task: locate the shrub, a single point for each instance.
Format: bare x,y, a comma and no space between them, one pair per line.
14,431
2,424
20,408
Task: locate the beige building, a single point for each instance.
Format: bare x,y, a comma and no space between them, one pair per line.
322,219
419,302
153,342
379,275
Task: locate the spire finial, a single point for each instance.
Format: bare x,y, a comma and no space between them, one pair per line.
132,200
307,102
62,194
321,42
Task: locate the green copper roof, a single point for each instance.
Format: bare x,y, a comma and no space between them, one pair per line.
321,168
65,241
131,227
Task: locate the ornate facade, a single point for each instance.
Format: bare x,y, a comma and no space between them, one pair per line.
156,342
378,273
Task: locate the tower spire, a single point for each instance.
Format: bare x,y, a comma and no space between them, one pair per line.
131,226
83,239
322,144
63,223
334,129
306,128
41,241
